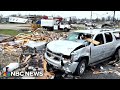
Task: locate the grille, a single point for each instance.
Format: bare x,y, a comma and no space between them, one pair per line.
53,52
52,55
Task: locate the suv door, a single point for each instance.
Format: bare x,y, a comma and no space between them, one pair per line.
97,51
109,44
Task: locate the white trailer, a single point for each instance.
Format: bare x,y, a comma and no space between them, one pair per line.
48,23
52,24
17,20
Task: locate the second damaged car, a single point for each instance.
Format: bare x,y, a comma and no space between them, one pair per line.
83,48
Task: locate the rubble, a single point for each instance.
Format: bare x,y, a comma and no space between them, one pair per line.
27,50
36,62
8,39
118,73
112,67
11,67
32,39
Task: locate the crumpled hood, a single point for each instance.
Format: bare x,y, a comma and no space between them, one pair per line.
63,46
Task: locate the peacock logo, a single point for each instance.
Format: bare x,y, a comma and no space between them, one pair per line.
6,73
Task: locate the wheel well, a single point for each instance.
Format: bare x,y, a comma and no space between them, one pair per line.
117,48
81,58
65,28
86,58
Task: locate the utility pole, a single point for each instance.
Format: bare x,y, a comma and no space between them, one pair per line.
114,17
91,17
91,20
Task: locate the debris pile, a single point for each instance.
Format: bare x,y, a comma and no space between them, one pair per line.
40,36
112,67
28,51
35,62
13,43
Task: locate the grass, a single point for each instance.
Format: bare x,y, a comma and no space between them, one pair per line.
9,32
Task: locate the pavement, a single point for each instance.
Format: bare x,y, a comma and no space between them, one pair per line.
91,72
15,26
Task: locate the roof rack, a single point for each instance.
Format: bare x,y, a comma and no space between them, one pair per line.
105,30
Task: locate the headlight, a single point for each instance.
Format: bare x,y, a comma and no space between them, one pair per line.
67,58
74,56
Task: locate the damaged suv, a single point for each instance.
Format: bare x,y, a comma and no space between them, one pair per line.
83,48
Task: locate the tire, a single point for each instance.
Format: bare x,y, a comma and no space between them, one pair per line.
51,29
49,67
66,30
117,55
81,67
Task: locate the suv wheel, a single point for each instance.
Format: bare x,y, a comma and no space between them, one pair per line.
81,67
66,30
117,55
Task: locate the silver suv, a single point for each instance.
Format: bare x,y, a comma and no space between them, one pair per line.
83,48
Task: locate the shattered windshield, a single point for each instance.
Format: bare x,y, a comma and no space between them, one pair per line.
78,36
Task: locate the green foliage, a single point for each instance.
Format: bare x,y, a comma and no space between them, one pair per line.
9,32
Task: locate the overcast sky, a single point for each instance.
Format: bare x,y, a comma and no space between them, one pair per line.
78,14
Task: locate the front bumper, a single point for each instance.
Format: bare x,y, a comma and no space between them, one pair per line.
68,67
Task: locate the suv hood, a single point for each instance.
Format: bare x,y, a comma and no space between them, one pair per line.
63,46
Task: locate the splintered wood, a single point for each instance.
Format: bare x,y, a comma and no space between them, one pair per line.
31,60
40,36
34,60
11,49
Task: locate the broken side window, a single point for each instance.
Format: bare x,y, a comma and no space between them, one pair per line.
117,35
108,37
100,39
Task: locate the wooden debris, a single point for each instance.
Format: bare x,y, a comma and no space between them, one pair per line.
26,62
27,58
8,39
99,72
92,41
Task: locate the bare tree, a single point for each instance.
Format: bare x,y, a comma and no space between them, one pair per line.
103,19
109,18
97,19
13,15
